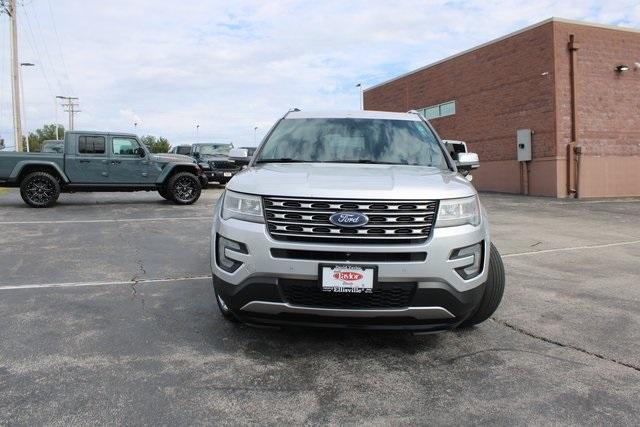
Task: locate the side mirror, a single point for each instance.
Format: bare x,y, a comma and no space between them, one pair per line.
466,162
196,155
142,153
240,155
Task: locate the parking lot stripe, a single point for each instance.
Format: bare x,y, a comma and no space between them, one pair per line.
82,284
91,221
572,248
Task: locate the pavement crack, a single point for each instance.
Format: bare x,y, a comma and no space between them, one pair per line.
489,350
137,295
559,344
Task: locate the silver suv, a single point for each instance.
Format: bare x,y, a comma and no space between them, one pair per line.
358,219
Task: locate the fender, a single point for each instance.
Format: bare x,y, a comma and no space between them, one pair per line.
170,167
17,169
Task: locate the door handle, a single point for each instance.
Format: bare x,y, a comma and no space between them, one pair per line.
84,161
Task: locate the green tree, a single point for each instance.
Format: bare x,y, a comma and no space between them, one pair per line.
156,145
45,133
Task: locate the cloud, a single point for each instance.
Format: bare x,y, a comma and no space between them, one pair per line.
230,66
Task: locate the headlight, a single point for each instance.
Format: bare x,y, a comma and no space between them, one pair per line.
454,212
242,206
204,166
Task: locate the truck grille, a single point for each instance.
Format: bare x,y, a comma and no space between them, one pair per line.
384,295
397,221
222,165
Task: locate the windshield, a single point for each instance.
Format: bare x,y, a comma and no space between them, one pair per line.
397,142
215,150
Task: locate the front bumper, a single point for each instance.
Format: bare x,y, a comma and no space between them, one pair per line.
258,290
220,175
261,300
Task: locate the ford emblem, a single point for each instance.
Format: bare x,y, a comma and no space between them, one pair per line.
348,219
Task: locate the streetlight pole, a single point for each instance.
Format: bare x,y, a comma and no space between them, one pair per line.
255,130
197,133
24,106
359,85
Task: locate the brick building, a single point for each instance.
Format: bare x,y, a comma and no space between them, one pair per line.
581,100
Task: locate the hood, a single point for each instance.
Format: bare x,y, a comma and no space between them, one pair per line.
349,181
173,158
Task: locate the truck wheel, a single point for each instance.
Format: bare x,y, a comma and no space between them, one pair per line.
494,288
163,192
40,189
184,188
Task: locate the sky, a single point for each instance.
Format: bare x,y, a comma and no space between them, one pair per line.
232,66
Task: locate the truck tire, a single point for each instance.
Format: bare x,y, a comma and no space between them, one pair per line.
40,189
163,192
184,188
494,288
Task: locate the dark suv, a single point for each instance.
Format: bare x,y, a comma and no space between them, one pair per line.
214,160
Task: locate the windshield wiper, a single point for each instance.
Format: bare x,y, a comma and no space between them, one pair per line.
281,160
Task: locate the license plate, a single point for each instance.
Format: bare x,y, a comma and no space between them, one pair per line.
347,278
225,174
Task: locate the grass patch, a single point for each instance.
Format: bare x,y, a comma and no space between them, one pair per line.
4,190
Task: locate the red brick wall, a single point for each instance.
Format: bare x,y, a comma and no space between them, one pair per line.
498,88
523,81
608,102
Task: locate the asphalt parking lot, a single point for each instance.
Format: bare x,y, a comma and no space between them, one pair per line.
107,317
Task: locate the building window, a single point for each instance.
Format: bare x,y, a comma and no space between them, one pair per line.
440,110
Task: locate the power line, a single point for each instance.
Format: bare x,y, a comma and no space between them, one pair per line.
44,43
64,63
36,50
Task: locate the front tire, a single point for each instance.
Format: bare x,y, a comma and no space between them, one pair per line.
493,291
184,188
40,189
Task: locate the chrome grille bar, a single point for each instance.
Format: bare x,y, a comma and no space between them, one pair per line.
303,219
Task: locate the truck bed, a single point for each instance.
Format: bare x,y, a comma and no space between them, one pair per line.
9,160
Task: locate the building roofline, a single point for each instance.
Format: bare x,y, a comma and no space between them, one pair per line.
499,39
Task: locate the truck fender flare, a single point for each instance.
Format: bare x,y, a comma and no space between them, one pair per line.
171,167
19,167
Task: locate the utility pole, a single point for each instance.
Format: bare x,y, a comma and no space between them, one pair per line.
70,106
10,9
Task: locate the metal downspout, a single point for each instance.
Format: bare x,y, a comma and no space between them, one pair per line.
572,175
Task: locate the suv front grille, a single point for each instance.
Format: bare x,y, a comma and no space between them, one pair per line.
223,165
397,221
384,295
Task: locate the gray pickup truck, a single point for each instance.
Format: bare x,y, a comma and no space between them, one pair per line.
98,161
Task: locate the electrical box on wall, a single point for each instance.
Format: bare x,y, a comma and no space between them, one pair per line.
523,144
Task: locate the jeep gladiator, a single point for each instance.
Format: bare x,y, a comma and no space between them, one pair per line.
98,161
